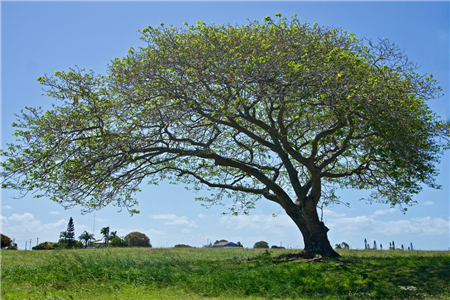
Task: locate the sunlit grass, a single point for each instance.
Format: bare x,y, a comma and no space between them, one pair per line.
138,273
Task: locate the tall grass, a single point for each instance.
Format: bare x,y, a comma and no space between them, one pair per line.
137,273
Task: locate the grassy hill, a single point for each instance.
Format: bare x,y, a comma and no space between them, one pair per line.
138,273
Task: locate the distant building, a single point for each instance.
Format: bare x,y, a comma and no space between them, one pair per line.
225,245
100,243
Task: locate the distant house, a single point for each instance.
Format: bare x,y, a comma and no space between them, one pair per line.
100,243
225,245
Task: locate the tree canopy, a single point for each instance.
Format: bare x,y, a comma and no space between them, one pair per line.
86,237
261,244
5,241
137,239
280,110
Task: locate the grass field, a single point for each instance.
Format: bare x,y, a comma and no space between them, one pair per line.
137,273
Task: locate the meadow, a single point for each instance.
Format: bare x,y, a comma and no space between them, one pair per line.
144,273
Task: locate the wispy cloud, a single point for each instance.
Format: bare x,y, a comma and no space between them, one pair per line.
7,207
330,213
384,211
257,221
428,203
54,213
172,219
371,225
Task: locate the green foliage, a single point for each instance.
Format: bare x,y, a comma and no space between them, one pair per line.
105,232
137,239
261,244
131,273
86,238
48,246
220,241
265,257
5,241
235,100
182,246
70,233
342,245
118,242
277,247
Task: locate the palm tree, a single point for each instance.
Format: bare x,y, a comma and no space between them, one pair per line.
105,232
113,234
63,235
86,237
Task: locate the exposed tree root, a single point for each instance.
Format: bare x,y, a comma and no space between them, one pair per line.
300,256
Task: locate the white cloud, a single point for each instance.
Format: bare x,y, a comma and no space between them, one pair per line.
431,226
259,221
23,227
164,216
7,207
172,219
330,213
428,203
370,225
185,231
53,213
201,216
25,217
384,211
80,229
4,220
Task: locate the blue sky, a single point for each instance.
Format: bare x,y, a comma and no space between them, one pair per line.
42,37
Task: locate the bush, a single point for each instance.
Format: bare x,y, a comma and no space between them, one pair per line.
137,239
72,245
118,242
261,244
182,246
277,247
47,246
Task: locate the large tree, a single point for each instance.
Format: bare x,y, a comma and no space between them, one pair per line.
137,239
70,233
276,110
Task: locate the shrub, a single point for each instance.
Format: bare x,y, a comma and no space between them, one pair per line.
118,242
182,246
47,246
261,244
277,247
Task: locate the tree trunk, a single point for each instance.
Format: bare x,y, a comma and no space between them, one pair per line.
313,230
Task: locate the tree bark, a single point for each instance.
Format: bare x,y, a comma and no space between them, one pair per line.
313,230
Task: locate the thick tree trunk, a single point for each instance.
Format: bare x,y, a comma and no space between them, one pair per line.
313,230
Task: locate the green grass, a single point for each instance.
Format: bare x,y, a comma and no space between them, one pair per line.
137,273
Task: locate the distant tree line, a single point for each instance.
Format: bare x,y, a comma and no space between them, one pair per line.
110,238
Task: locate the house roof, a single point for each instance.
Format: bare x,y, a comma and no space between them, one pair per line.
225,244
